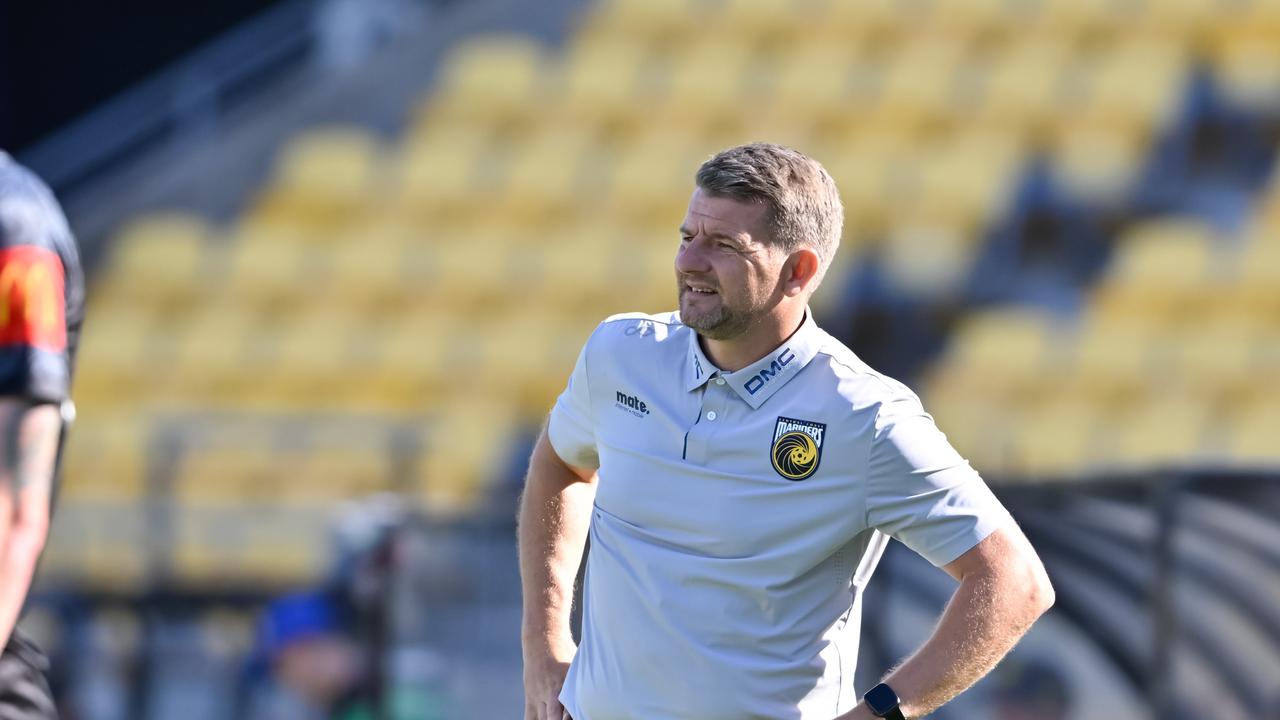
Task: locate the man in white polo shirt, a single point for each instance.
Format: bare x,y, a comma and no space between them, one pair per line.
739,471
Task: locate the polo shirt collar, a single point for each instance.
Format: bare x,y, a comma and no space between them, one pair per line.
700,368
760,380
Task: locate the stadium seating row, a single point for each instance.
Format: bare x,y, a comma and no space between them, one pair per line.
442,281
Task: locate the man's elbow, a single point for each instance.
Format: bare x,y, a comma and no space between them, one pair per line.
1041,594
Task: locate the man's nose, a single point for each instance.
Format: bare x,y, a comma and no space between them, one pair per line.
691,257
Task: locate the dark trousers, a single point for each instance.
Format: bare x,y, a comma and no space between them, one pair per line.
24,691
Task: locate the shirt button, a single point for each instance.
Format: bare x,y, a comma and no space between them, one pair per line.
711,415
719,381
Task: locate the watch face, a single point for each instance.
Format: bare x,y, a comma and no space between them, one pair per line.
881,699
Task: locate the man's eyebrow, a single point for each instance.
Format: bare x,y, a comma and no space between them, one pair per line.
684,231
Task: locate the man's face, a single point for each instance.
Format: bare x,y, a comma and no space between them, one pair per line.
727,274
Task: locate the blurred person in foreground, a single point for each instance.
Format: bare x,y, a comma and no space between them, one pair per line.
739,472
41,308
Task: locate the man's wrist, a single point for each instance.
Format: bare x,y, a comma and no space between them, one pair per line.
883,702
552,645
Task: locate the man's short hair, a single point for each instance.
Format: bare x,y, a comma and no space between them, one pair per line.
804,208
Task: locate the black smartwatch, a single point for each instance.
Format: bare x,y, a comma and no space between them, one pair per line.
883,702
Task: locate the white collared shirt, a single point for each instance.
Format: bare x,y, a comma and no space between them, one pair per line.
739,516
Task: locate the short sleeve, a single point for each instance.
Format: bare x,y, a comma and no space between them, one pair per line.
921,491
34,359
570,428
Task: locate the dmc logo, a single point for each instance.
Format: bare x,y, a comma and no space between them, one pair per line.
631,403
758,381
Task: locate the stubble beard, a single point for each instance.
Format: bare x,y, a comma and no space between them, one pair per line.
719,323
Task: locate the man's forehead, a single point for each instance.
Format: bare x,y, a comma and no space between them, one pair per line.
719,214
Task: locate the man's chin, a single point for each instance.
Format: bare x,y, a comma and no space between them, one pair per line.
709,325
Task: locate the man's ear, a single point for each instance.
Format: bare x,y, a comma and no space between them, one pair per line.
801,272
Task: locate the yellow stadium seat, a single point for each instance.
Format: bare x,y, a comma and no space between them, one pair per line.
961,182
813,82
479,275
416,359
377,272
975,424
1163,270
317,357
161,259
116,356
660,22
1096,164
1254,282
106,458
869,20
544,173
1246,65
1023,87
1166,431
1253,437
647,279
1220,359
1112,359
339,464
1057,438
780,22
1083,18
654,176
1004,352
928,258
981,20
324,177
439,174
465,451
918,88
868,170
528,356
1183,19
271,267
1133,87
576,267
493,80
244,472
218,354
260,464
601,81
231,543
706,85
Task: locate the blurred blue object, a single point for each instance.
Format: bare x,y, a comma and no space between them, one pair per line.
294,617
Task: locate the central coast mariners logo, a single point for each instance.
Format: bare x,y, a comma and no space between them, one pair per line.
797,447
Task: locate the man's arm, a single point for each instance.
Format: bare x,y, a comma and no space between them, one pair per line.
28,450
1003,589
555,514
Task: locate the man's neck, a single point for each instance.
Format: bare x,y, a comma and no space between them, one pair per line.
737,353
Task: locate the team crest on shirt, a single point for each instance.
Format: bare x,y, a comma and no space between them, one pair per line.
797,447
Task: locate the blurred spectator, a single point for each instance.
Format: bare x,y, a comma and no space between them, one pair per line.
1030,690
313,665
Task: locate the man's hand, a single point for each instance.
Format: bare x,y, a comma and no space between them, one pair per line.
544,675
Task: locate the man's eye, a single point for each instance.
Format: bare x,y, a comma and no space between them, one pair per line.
726,246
